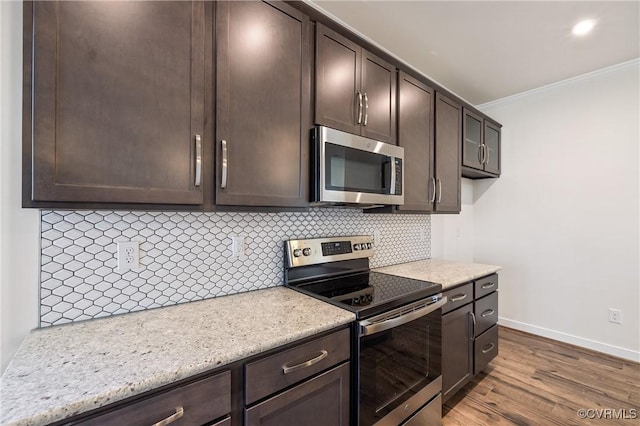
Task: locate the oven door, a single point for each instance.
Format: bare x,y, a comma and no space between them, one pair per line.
399,362
356,170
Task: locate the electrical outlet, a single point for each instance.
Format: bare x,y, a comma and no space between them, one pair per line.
237,246
128,256
615,316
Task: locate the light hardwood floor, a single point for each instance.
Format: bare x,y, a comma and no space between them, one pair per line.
538,381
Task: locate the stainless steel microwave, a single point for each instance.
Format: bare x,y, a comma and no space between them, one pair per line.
351,170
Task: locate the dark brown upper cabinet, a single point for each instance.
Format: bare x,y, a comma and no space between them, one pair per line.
429,130
263,104
448,137
415,135
480,147
355,89
113,102
492,144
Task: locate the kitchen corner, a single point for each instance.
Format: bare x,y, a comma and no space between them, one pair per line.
440,271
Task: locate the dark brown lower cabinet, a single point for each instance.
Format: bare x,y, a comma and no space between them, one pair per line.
457,349
200,402
320,401
469,332
486,349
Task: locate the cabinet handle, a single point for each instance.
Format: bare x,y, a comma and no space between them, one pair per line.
359,108
488,285
439,190
488,348
198,178
225,164
458,297
480,154
485,154
366,109
473,325
172,418
488,313
290,369
433,193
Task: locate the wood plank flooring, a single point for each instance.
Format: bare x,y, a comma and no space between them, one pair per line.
538,381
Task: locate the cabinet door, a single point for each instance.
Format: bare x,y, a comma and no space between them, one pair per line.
321,401
457,350
447,154
415,135
379,93
118,99
338,77
492,143
472,155
263,104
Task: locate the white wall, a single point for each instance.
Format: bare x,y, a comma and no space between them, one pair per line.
452,234
563,219
19,228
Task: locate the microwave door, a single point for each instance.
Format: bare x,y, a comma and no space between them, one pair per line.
389,175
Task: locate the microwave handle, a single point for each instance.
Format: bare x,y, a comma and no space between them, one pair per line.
392,183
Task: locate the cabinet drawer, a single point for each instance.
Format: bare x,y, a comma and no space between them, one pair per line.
320,401
486,311
201,402
457,297
269,375
486,285
486,349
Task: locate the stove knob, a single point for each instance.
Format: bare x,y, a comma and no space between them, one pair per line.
356,246
297,253
369,246
306,251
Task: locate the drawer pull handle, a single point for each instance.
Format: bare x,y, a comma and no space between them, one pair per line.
488,285
488,348
172,418
458,297
488,313
290,369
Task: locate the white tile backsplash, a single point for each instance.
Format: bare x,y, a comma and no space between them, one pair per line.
187,256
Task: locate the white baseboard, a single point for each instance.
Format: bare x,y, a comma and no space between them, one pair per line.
573,340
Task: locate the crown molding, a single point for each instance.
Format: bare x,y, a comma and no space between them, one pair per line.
568,81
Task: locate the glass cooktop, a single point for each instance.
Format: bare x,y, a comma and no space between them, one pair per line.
369,293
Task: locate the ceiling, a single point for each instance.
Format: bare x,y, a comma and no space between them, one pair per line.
488,50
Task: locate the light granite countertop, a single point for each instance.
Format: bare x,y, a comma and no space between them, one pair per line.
445,272
69,369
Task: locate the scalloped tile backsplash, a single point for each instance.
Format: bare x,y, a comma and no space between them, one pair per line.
187,256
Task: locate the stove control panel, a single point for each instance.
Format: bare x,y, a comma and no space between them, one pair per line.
314,251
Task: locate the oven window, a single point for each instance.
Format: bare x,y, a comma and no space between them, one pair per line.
397,363
354,170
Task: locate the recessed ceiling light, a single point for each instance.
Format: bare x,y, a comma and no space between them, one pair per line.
583,27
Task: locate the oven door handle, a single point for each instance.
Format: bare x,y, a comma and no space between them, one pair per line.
367,329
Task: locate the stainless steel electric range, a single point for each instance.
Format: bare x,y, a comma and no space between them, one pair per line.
396,346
